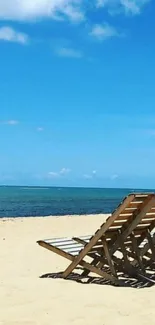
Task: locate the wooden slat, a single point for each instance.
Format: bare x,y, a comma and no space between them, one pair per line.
136,202
115,227
126,215
141,195
119,222
146,221
150,213
150,216
151,219
143,226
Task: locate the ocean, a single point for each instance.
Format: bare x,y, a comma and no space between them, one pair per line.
44,201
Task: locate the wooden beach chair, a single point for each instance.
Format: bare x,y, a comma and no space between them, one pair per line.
139,247
97,254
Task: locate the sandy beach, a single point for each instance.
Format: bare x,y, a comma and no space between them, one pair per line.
27,299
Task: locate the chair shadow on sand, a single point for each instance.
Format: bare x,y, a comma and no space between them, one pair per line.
136,282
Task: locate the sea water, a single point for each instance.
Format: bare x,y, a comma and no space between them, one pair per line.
44,201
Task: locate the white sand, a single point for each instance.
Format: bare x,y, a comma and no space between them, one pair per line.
27,299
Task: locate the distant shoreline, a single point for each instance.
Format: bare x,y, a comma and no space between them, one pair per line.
132,189
54,216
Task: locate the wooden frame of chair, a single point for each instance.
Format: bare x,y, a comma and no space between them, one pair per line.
119,266
133,208
141,255
127,227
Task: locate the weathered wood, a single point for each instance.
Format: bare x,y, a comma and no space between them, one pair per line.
151,244
141,195
124,252
132,225
136,202
146,247
128,222
86,272
137,252
86,265
139,232
140,206
143,252
80,241
109,258
123,218
98,235
97,260
147,221
144,233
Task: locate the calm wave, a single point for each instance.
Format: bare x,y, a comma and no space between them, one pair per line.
40,201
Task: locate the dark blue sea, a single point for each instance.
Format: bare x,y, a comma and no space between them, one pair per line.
45,201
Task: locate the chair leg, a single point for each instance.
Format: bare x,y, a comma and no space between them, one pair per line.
125,255
94,269
109,258
151,244
137,252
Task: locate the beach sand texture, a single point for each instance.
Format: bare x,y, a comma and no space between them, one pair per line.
26,299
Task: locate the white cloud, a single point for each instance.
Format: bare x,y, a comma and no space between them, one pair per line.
40,129
113,177
74,10
62,172
36,9
133,7
11,122
103,32
69,53
11,35
87,176
90,176
53,174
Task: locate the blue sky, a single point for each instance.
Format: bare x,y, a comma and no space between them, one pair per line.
77,93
